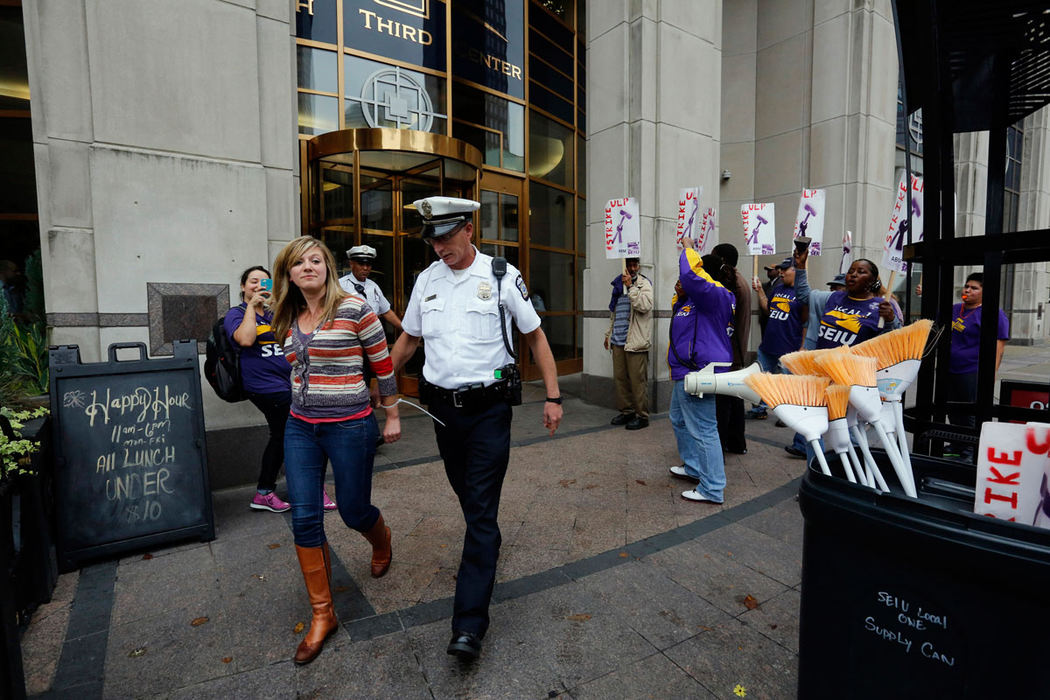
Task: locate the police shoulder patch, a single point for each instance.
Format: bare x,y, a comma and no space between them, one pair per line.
522,288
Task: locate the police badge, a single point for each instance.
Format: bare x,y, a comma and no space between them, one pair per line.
427,210
484,291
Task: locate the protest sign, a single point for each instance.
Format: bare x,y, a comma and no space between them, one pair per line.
897,235
847,252
759,228
623,230
810,219
705,239
1013,465
688,214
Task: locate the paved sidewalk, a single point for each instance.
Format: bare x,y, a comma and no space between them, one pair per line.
609,585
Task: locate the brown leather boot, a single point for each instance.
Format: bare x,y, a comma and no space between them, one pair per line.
379,538
314,563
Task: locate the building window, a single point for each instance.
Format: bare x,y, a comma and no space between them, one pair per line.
381,95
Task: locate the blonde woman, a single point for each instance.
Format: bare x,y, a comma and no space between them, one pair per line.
328,336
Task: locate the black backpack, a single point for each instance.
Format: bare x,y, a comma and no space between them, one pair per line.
222,365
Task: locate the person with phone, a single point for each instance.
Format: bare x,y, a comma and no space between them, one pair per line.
628,338
462,307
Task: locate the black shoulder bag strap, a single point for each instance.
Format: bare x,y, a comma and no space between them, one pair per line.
499,269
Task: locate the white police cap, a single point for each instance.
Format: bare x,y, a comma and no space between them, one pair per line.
442,215
362,253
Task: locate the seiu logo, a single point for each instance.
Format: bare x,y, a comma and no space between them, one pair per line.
272,350
836,336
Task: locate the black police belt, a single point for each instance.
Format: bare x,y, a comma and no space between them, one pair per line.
468,396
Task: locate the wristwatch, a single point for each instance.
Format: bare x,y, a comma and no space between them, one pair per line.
556,400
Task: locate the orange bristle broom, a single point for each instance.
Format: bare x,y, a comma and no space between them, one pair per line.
837,436
805,361
799,401
898,355
858,373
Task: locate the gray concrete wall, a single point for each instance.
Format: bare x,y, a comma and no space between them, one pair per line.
654,93
166,153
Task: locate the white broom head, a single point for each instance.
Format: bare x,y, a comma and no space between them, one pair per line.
894,380
809,421
867,402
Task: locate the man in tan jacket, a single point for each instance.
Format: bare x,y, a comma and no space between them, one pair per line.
629,336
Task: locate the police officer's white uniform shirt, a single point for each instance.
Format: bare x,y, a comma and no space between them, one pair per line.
373,294
458,319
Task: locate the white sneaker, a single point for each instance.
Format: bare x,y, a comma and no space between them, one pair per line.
696,496
681,473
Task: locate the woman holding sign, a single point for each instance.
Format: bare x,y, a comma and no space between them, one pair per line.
328,337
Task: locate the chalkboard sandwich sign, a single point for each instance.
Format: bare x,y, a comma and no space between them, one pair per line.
130,465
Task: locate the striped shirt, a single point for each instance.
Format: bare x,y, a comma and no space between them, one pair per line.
328,365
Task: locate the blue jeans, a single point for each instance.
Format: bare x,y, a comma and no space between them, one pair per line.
350,446
695,426
770,363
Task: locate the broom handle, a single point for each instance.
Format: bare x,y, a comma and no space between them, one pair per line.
889,288
902,437
874,475
906,479
858,467
847,468
819,454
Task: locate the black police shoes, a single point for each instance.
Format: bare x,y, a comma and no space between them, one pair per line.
621,418
465,645
637,423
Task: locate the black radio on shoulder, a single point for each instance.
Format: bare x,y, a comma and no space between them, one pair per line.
511,377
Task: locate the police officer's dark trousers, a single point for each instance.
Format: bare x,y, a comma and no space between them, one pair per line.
475,446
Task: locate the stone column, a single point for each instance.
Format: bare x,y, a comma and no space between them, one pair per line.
166,162
654,96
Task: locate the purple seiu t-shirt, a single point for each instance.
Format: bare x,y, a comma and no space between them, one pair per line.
263,367
966,338
783,332
848,321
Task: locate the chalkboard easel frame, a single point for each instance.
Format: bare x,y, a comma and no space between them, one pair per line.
65,365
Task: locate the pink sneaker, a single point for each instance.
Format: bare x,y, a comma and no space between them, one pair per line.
329,504
269,502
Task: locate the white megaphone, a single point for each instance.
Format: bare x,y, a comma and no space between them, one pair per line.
727,383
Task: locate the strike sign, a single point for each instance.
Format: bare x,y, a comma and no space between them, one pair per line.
897,236
759,228
623,230
705,237
688,214
1013,467
810,220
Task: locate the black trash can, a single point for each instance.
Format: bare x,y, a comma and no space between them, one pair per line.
905,598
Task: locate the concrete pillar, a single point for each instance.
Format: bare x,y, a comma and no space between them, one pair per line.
654,122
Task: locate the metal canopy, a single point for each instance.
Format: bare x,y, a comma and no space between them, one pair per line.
997,53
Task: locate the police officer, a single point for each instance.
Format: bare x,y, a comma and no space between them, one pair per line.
462,311
357,282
